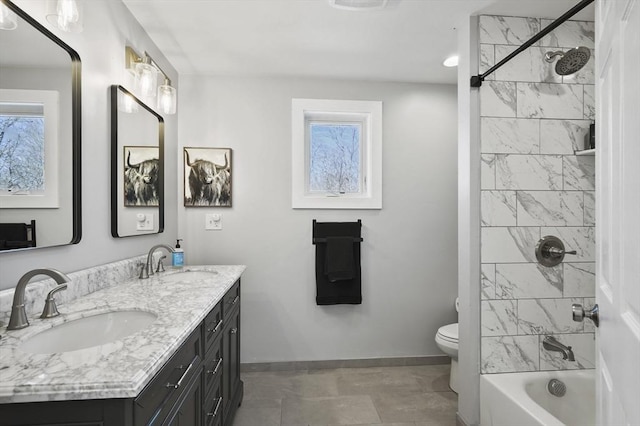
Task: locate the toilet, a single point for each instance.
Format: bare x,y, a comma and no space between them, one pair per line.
447,341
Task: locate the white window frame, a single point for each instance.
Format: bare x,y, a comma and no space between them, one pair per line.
369,113
49,197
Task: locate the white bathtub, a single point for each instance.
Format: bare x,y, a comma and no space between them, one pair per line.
522,399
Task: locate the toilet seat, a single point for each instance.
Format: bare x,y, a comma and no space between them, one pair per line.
449,333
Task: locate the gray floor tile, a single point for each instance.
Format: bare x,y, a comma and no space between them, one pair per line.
417,407
431,378
383,424
259,412
273,373
270,385
322,411
372,396
366,382
347,370
437,422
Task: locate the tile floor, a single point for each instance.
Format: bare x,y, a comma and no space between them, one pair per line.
390,396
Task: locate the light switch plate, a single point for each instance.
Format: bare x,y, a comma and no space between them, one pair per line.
213,222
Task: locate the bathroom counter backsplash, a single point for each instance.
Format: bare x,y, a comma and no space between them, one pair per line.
82,283
122,368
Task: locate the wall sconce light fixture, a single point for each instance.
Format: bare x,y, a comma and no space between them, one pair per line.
68,16
8,19
145,71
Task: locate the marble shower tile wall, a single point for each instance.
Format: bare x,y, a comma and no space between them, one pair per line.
532,122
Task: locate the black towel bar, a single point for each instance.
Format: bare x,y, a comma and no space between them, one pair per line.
324,240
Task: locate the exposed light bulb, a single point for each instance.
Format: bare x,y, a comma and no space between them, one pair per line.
451,61
146,80
127,103
8,19
68,16
167,98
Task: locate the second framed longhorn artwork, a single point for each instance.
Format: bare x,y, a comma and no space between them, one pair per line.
141,172
207,177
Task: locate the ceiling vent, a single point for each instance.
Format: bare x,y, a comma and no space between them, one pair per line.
358,4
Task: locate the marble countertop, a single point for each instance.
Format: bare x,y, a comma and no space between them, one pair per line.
122,368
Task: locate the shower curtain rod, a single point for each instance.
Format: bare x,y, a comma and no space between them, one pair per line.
476,80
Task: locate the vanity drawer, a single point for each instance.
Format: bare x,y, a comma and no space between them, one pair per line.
213,405
158,397
231,299
213,366
212,326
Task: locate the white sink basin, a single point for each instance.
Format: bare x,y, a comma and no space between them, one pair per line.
87,332
189,275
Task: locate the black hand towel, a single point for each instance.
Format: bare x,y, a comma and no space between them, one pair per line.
347,290
339,264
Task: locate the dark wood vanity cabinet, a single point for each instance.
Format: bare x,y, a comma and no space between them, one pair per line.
165,393
188,409
199,386
232,387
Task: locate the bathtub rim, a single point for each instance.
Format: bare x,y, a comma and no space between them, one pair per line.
512,387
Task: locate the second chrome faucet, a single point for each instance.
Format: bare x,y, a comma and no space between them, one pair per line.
147,268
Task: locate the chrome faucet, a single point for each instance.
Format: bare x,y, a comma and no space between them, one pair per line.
147,269
18,318
551,344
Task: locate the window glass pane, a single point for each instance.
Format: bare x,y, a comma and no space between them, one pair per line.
334,157
21,153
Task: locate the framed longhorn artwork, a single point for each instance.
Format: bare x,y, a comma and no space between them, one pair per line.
207,177
141,176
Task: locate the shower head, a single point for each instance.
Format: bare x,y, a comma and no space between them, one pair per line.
571,61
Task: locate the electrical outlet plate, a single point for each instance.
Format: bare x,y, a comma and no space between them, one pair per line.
213,222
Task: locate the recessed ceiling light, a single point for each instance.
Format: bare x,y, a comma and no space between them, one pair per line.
358,4
451,61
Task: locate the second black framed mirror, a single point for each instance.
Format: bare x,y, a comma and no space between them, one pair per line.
137,166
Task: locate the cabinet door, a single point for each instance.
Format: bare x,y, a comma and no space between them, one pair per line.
157,400
212,326
188,409
213,406
234,353
231,363
213,366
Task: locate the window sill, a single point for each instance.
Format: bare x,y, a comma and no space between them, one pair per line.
329,202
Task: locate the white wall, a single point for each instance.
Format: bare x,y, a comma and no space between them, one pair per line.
468,224
409,256
108,27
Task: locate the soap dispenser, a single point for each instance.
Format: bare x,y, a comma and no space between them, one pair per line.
177,257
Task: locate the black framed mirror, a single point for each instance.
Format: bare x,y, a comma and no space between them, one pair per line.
137,166
40,137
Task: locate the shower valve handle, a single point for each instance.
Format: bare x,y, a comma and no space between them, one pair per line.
579,313
553,251
550,251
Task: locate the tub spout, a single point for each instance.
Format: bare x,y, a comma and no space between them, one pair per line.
551,344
